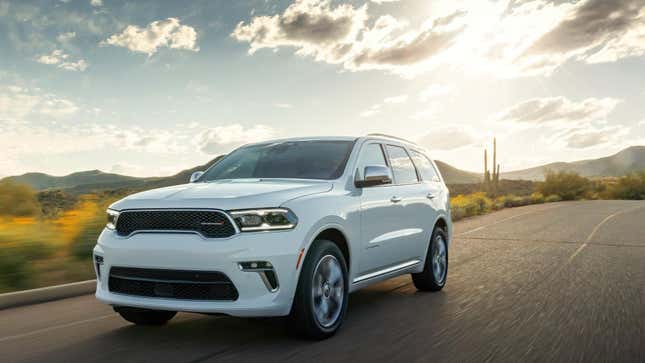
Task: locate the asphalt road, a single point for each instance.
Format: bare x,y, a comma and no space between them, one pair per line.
553,282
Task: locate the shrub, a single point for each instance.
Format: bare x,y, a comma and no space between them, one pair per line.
566,185
537,198
17,200
83,244
470,205
552,198
512,201
629,187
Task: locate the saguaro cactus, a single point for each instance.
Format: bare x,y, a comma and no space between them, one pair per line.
486,172
491,181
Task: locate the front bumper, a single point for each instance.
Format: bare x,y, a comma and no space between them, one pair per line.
176,251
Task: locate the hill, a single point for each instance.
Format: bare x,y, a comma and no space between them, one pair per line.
96,180
41,181
624,162
453,175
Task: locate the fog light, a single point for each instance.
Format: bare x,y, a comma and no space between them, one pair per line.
98,261
266,272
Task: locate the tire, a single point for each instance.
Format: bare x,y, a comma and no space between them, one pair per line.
433,278
145,316
320,286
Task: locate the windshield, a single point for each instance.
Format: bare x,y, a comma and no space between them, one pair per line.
313,159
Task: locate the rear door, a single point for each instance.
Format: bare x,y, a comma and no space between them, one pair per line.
431,189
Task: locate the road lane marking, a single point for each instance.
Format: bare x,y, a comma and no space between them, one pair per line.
604,244
492,224
55,327
597,228
503,220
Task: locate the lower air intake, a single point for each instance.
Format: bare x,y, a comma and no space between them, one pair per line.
172,284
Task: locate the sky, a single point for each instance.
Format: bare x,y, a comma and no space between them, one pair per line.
148,88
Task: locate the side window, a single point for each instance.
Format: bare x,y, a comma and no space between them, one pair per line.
425,167
402,167
372,155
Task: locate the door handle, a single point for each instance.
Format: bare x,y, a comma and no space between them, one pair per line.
430,196
395,199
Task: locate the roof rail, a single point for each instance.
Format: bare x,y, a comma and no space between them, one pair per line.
392,137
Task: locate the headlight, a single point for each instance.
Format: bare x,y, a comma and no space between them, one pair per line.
264,219
112,216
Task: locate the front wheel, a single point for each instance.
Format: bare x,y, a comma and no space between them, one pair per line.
435,271
145,316
320,301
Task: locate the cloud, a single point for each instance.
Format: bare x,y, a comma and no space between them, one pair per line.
382,49
506,38
384,1
373,110
448,138
595,31
54,57
18,104
80,65
313,27
66,37
96,3
341,35
435,90
536,37
60,59
558,110
161,33
587,137
426,113
396,99
283,105
223,139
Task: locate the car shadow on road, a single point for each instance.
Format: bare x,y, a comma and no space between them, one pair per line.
197,338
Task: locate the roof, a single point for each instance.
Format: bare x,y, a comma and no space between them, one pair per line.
338,138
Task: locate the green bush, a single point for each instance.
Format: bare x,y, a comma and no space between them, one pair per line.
552,198
84,243
17,200
15,272
566,185
537,198
470,205
629,187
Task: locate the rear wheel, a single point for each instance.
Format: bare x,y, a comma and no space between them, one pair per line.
435,271
145,316
320,302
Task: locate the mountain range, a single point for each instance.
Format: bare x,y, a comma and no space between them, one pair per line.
626,161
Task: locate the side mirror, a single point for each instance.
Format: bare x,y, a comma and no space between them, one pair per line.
374,175
195,176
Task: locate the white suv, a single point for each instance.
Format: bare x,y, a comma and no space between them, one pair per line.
286,227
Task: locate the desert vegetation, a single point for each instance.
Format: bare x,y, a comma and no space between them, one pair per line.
47,237
557,186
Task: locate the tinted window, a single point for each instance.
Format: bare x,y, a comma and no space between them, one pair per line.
425,167
402,167
371,155
316,159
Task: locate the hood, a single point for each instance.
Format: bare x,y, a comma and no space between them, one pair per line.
224,194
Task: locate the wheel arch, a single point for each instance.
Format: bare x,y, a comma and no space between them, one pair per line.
338,237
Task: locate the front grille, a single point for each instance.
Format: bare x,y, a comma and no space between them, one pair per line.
172,284
209,223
